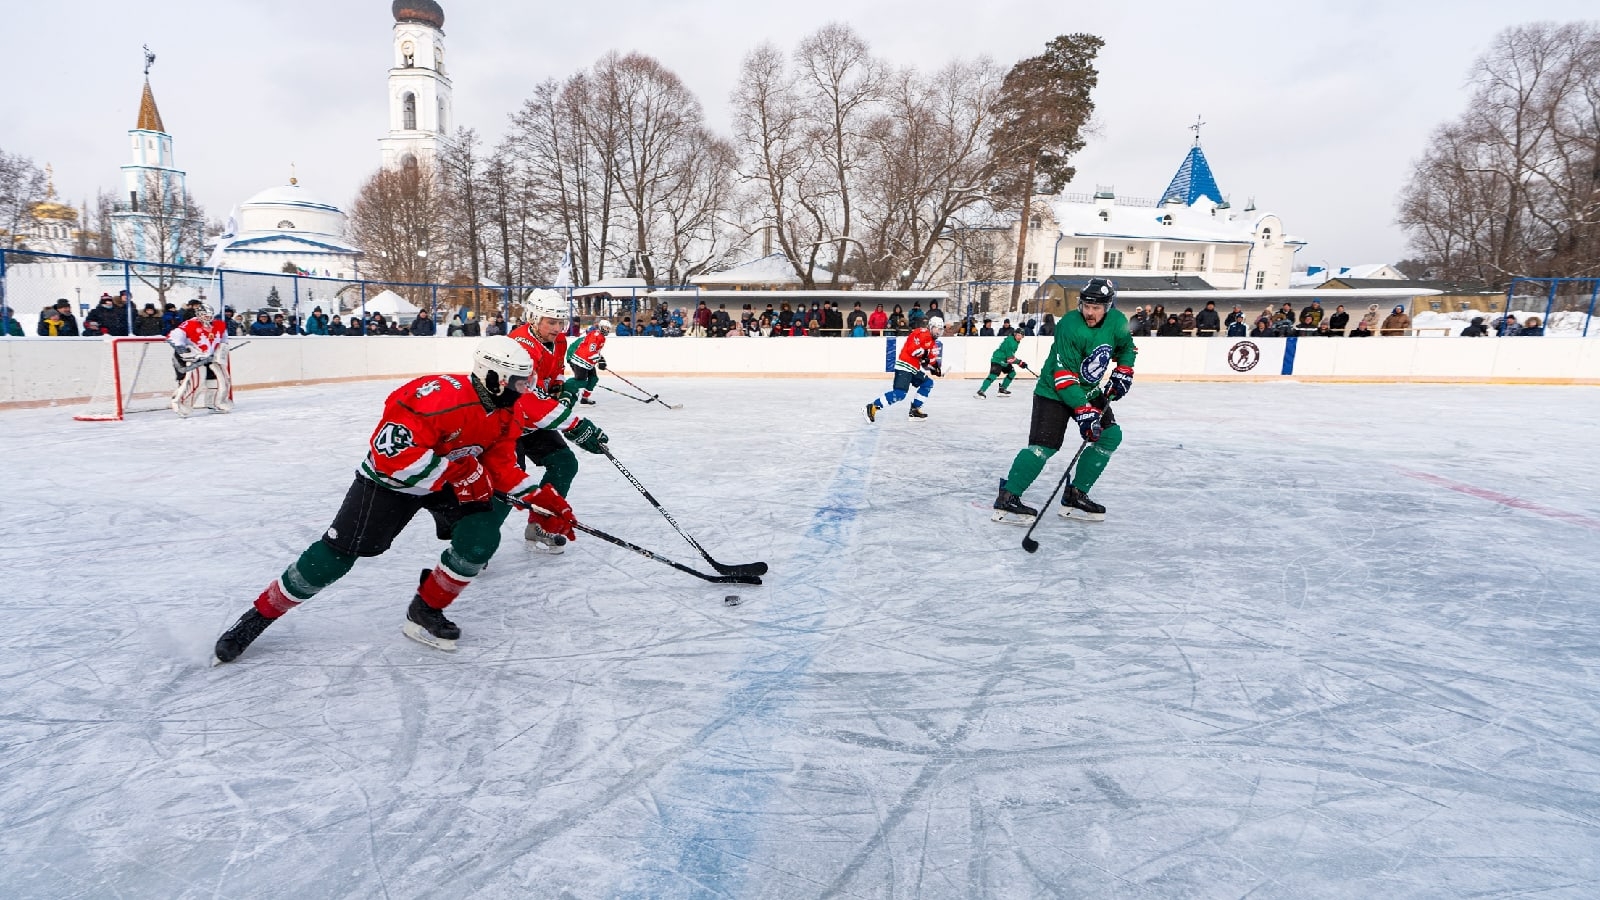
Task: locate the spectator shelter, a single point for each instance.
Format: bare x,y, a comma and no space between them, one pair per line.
612,297
769,273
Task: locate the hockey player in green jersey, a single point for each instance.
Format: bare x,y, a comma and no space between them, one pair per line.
1003,361
1090,364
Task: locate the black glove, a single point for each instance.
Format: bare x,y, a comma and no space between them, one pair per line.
936,369
600,363
587,435
1121,382
1088,419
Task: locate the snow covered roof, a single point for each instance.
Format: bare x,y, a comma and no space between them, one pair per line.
1204,222
619,286
1193,180
771,269
291,194
1315,275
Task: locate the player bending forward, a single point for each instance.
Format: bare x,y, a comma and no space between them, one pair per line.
919,358
1003,360
199,355
1087,341
586,360
545,339
444,444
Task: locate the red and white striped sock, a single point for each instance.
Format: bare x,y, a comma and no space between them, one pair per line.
274,601
442,587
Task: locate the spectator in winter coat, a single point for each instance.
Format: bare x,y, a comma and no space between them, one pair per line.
1476,329
1236,328
1306,328
1005,329
1506,326
149,322
1263,327
1315,309
988,328
317,322
498,326
1532,328
915,317
1171,327
934,310
1139,322
423,325
701,325
1236,316
878,322
857,319
1186,320
336,327
1397,323
9,326
720,321
63,322
104,317
262,326
1047,328
170,318
1368,324
1339,321
897,321
625,327
1158,318
1206,323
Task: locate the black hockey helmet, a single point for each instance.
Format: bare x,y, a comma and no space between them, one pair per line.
1098,290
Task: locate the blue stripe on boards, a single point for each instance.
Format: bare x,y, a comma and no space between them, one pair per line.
710,815
1288,354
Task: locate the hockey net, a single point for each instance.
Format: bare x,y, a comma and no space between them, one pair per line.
136,375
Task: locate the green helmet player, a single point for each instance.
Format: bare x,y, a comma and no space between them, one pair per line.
1090,364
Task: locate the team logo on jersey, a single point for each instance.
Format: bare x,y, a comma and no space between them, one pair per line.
392,439
453,382
1243,356
459,452
427,389
1095,365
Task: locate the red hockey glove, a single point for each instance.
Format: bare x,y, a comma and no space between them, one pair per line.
1088,419
468,479
552,512
1121,382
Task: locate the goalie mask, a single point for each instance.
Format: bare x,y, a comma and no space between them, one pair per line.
500,370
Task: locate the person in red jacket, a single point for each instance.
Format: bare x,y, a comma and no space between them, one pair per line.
918,360
445,444
878,321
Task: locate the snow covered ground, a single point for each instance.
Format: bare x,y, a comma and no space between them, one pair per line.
1333,640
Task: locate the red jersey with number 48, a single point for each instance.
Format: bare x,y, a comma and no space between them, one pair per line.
919,350
198,335
548,361
433,420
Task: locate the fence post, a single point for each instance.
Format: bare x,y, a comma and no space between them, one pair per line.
127,285
1586,319
3,302
363,309
433,303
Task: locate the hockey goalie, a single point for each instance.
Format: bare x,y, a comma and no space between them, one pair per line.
200,360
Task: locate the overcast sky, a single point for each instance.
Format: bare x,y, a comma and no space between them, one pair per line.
1317,110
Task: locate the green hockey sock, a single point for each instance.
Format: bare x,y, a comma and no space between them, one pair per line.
1005,384
475,539
1095,457
559,470
986,382
1026,467
319,566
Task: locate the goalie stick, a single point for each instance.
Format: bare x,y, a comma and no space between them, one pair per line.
647,554
754,568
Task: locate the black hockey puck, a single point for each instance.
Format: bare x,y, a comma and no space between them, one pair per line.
731,600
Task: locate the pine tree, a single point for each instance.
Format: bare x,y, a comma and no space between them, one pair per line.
1043,106
273,299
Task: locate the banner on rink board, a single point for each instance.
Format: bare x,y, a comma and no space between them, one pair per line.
1250,357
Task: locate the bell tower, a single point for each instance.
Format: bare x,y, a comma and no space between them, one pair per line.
420,114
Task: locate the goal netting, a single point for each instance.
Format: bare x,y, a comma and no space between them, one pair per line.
136,375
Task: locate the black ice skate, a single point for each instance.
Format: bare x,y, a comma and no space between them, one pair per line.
1010,509
917,413
1004,392
427,625
872,411
1075,504
982,396
587,402
244,632
544,541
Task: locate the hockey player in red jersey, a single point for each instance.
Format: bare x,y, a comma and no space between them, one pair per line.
445,443
919,358
586,360
200,354
544,336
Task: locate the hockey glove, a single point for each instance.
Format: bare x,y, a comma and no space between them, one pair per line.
570,389
1121,382
468,479
1088,419
600,363
587,435
552,512
936,369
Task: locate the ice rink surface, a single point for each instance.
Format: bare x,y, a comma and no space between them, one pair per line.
1332,641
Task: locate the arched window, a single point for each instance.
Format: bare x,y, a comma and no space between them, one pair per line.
1266,234
442,127
408,106
285,225
1166,220
408,161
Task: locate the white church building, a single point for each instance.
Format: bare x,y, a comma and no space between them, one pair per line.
420,111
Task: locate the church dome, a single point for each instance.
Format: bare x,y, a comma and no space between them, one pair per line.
425,11
289,208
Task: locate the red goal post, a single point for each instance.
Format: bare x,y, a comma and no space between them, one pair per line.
136,375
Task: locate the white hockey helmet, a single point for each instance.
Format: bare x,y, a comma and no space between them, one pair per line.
936,326
604,325
543,303
501,367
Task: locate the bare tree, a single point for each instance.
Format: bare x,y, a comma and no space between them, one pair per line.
160,224
398,219
22,184
840,83
462,190
1512,186
1043,106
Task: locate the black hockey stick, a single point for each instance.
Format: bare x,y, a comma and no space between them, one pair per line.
655,398
613,539
754,568
624,394
1028,543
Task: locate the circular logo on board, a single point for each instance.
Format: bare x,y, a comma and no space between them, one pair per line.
1243,356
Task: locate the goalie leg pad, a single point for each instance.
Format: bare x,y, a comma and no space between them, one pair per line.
184,396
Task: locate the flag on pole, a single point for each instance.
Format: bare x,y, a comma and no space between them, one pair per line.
228,231
564,271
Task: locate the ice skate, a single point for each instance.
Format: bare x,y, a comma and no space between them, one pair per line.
872,411
544,541
1075,504
1004,392
917,413
1010,509
587,402
243,633
983,396
427,625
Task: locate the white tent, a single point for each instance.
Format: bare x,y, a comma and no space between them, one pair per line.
392,305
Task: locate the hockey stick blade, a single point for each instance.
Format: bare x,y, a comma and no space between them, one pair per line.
714,579
1028,543
753,568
